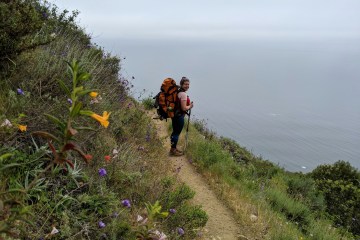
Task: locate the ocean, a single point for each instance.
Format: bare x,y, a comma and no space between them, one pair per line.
294,102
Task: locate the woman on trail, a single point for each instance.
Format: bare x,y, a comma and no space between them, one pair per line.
178,119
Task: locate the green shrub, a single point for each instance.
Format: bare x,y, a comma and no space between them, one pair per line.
148,103
209,153
340,184
118,230
262,169
343,203
190,218
25,25
303,188
175,197
236,172
340,170
293,210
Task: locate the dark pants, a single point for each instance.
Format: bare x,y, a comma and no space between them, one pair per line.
177,125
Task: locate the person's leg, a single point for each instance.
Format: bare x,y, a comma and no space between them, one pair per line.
177,124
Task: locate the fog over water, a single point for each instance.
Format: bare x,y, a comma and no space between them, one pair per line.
293,102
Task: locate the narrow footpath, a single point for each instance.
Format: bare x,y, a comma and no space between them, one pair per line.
221,224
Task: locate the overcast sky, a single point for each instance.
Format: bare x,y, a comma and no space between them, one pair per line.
215,19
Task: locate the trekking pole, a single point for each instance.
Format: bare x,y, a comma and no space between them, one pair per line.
187,131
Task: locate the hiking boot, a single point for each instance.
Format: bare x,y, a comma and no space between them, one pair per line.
175,152
179,151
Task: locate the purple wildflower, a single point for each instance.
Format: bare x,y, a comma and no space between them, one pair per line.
69,101
102,172
115,215
126,203
20,91
45,15
172,210
101,224
180,231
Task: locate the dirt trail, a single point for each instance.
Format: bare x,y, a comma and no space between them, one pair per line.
221,224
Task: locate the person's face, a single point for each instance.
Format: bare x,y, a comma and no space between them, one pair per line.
186,85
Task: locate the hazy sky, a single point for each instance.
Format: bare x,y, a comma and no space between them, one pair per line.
211,19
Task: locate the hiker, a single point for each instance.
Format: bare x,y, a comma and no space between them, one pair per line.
183,106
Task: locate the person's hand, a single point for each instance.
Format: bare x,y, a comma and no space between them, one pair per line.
191,105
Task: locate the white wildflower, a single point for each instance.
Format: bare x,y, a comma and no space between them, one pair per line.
54,231
139,218
6,123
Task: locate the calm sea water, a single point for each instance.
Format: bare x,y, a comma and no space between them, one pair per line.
294,102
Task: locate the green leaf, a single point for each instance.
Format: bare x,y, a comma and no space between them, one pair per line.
64,87
27,221
74,67
6,155
46,135
27,180
10,166
20,190
75,111
86,112
78,89
55,120
164,214
83,76
70,67
81,93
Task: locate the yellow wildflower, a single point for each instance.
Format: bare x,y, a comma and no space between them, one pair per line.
93,94
102,119
22,128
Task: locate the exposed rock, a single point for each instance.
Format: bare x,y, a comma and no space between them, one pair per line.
253,218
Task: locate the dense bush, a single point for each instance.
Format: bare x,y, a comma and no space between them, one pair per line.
303,188
19,20
340,170
340,184
25,25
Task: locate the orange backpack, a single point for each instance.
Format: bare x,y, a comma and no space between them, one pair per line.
166,101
